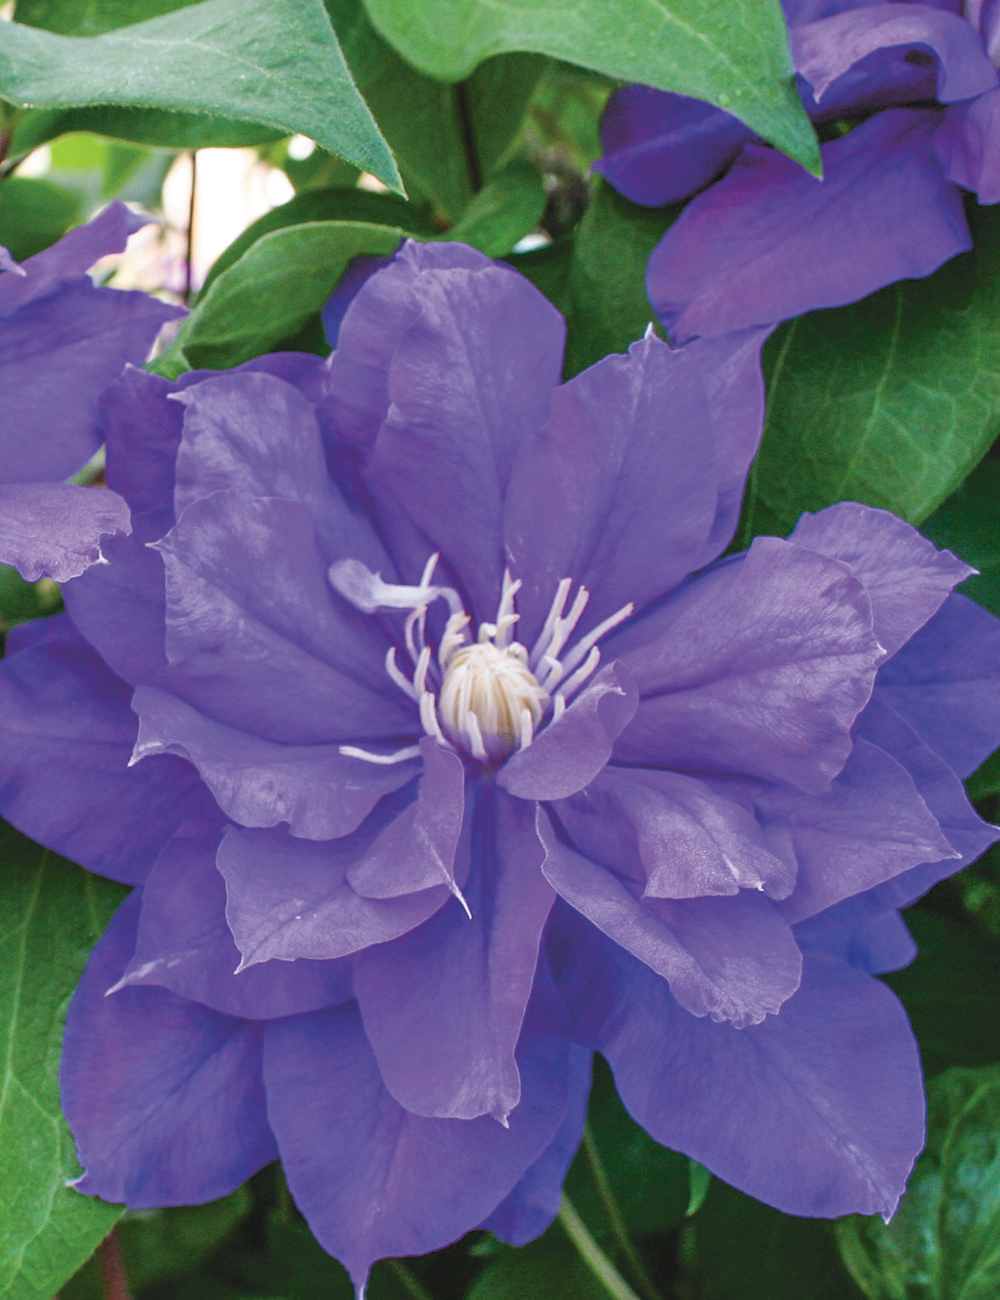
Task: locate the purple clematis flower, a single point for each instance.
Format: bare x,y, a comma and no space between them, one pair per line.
764,241
444,751
63,340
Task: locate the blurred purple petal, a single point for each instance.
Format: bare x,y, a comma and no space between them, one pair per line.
334,309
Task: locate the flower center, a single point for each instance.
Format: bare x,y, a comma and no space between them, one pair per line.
485,698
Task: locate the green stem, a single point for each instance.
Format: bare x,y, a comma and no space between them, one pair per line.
412,1284
591,1253
615,1219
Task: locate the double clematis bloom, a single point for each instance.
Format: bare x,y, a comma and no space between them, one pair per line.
917,85
63,340
444,751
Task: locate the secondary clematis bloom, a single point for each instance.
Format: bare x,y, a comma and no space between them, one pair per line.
63,340
445,772
765,241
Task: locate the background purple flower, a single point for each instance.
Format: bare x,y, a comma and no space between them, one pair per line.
63,340
765,241
448,772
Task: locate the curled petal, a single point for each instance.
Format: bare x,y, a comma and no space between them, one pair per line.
54,530
968,146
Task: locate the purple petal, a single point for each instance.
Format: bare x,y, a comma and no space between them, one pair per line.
249,611
54,530
470,380
64,777
946,683
373,1180
825,50
319,792
967,146
759,666
359,269
610,496
291,898
876,944
675,836
768,241
257,435
906,576
871,826
378,318
571,751
184,944
534,1203
817,1111
443,1006
164,1097
729,958
660,147
8,264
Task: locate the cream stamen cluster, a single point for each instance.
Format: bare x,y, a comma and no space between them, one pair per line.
485,698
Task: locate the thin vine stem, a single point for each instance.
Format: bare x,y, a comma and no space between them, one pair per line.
591,1253
113,1279
468,137
189,268
412,1284
615,1220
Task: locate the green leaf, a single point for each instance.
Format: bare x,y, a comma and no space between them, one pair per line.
506,209
149,126
22,601
422,118
746,1251
53,914
944,1243
734,55
325,205
951,991
891,401
91,17
251,60
609,308
701,1180
157,1245
34,213
548,1267
548,269
969,523
271,292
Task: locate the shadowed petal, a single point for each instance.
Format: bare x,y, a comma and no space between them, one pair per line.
571,751
183,942
534,1203
769,241
373,1180
659,147
54,530
906,577
825,50
967,146
817,1111
759,666
443,1005
67,732
729,958
946,683
871,826
319,792
164,1097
